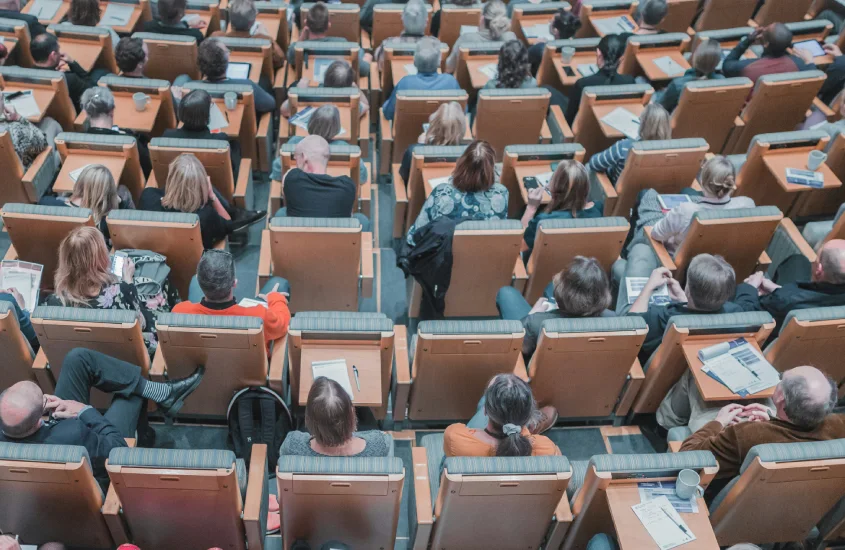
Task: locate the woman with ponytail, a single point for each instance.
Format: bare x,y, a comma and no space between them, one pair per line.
506,424
608,56
493,26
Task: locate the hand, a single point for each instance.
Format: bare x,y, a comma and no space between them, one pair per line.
8,543
755,412
62,67
832,49
16,295
11,113
303,83
729,414
676,292
305,34
128,270
658,278
805,55
177,92
66,58
539,306
767,287
756,33
50,403
197,24
422,137
274,289
67,409
535,197
755,279
211,195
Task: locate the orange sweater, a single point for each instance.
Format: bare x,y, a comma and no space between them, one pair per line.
276,316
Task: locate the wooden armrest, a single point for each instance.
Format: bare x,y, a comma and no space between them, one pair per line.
608,191
795,236
401,205
675,446
763,262
11,253
557,115
422,498
242,185
256,494
367,259
274,201
545,133
820,105
41,371
561,523
365,198
636,377
520,276
111,514
277,364
158,367
738,122
520,370
386,149
264,255
130,442
279,89
79,122
403,372
262,136
662,254
30,176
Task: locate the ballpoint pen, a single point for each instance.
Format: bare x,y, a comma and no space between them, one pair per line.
678,525
357,381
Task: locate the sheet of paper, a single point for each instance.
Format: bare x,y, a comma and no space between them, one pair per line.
587,69
437,181
623,120
301,118
722,61
238,69
217,120
74,174
190,18
254,28
635,286
540,30
45,9
249,302
409,68
650,490
669,66
334,369
465,29
613,25
743,370
663,523
25,277
24,104
116,15
490,71
544,178
320,66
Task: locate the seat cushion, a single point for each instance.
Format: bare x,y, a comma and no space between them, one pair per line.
293,464
85,315
187,320
795,452
58,454
201,459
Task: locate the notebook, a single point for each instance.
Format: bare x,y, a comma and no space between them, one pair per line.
587,69
333,369
540,30
410,68
490,71
25,277
24,104
74,174
217,119
45,9
465,29
635,286
320,66
116,15
613,25
439,181
238,70
623,120
669,66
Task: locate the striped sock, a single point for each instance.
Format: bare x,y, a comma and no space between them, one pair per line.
155,391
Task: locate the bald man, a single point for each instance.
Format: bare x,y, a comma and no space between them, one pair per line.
803,402
801,284
776,40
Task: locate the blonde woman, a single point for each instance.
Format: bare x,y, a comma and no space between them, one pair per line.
493,26
706,58
446,126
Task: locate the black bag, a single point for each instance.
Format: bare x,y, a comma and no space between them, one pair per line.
258,415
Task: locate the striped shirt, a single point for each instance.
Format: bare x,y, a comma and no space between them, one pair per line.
612,161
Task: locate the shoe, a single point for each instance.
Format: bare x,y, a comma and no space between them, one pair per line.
274,522
244,218
179,390
238,238
544,422
274,503
146,438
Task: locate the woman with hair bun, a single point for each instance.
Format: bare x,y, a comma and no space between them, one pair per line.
608,57
493,26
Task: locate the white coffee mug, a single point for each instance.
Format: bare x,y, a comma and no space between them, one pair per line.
231,100
687,486
815,159
141,99
567,54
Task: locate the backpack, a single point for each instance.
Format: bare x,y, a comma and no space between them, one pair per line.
257,415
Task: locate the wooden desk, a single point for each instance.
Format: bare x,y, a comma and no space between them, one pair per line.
366,358
64,183
527,170
397,68
345,124
234,117
631,533
271,23
777,162
84,52
634,27
580,58
645,58
710,389
603,110
43,97
205,16
130,25
478,78
125,115
56,19
527,21
432,174
255,60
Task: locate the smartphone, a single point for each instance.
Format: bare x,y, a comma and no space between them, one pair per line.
117,263
568,71
530,182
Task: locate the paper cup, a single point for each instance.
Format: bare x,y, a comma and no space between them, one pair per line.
815,159
567,53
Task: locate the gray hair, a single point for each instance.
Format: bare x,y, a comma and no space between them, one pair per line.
242,14
427,56
97,101
653,12
800,405
711,282
216,274
414,18
833,264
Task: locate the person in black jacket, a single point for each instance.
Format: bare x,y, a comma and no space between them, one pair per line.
11,9
835,75
73,421
608,56
170,14
46,54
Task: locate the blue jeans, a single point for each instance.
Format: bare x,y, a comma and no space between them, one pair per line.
195,293
365,221
513,306
602,542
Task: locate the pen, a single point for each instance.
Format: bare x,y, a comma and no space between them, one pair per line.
357,381
12,95
678,525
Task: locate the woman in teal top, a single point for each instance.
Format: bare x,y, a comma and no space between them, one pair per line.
570,192
513,70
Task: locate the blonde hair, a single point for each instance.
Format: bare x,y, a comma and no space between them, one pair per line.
569,187
655,123
187,184
447,125
84,266
496,19
718,177
706,57
95,189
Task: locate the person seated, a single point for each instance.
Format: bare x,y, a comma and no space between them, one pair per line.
776,40
242,16
95,190
27,139
213,62
705,59
11,9
87,14
316,29
73,421
655,124
414,22
434,28
710,289
9,543
170,14
570,198
332,427
217,281
84,279
46,55
609,54
835,80
15,298
563,26
799,284
338,75
506,423
493,26
98,104
607,542
446,126
132,56
427,63
580,290
514,70
650,14
472,191
189,190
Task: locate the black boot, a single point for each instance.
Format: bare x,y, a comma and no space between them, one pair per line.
244,218
179,390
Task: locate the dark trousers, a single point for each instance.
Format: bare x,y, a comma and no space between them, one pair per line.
84,369
795,269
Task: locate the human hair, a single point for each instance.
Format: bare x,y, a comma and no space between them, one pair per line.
496,20
652,12
242,14
329,414
129,53
84,266
325,122
447,125
96,190
195,110
97,101
778,39
186,189
566,24
84,12
655,123
171,11
569,187
42,46
744,546
427,55
475,169
414,18
832,260
317,19
707,56
718,177
582,289
216,274
711,282
339,75
213,58
465,3
800,405
612,48
509,406
514,68
28,422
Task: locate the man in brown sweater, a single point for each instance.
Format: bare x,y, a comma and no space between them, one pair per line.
804,399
